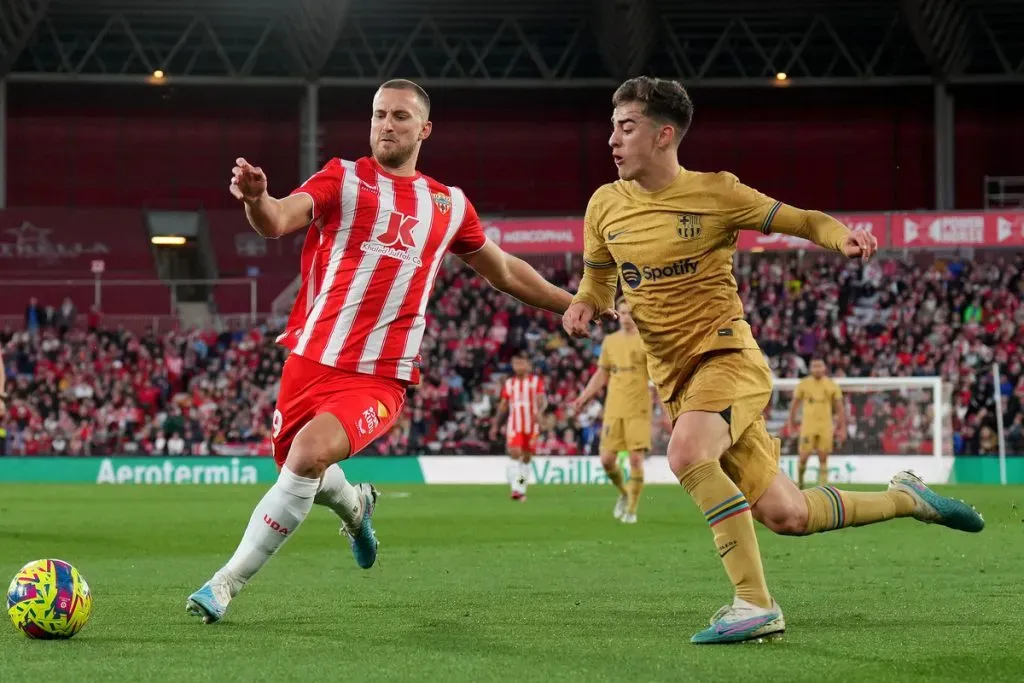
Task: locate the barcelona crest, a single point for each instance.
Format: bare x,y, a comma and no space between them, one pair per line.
443,202
688,226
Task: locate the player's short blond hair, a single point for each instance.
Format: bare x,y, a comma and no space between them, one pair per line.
663,100
405,84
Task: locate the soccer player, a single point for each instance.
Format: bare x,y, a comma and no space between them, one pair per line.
670,234
819,396
522,397
622,366
378,231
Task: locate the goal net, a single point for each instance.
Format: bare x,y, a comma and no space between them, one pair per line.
904,419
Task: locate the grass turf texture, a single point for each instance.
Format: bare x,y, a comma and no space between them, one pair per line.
470,586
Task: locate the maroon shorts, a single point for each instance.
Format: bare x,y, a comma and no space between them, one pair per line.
366,406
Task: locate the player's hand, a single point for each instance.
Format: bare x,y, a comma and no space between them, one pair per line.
610,314
860,243
576,319
248,182
840,438
3,408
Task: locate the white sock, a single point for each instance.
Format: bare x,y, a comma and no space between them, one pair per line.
524,476
512,474
275,518
339,495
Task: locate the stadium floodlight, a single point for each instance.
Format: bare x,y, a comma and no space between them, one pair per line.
168,240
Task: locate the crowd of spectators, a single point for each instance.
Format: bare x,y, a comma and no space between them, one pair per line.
82,389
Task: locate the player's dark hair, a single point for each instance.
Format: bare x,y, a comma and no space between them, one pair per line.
663,100
405,84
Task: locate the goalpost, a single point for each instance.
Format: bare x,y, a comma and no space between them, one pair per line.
906,417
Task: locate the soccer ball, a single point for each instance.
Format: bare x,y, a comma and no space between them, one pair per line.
49,600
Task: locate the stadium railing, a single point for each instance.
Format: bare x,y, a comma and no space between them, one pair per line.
134,299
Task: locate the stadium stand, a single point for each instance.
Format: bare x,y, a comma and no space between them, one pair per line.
104,391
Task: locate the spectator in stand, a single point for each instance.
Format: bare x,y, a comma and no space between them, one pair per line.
64,318
94,319
33,315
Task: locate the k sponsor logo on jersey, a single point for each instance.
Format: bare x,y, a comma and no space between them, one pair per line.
397,240
688,226
634,276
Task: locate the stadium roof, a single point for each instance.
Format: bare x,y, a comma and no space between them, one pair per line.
515,43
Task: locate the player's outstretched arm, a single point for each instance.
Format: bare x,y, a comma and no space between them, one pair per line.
839,408
517,278
270,217
499,417
825,231
794,406
752,210
597,382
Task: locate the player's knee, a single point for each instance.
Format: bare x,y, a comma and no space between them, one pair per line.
608,460
636,460
685,453
313,451
697,437
787,518
308,461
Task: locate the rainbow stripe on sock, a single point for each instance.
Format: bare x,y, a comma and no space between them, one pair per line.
729,508
838,508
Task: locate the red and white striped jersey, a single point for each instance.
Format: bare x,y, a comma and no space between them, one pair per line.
523,396
369,263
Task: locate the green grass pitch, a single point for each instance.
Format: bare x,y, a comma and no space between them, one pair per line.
470,586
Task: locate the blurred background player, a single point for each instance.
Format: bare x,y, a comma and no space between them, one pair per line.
622,366
378,231
819,396
670,235
522,397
